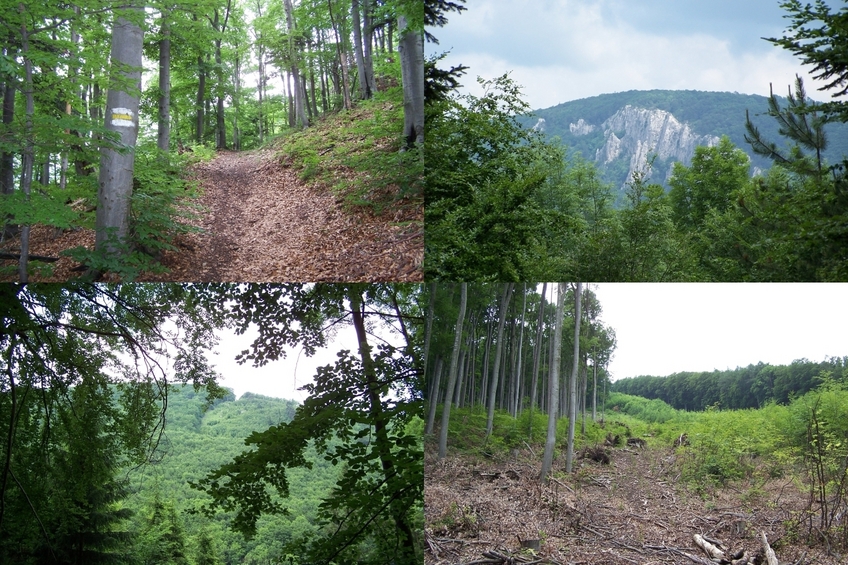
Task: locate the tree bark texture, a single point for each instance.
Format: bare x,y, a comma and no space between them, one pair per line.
572,405
164,130
116,162
411,49
553,386
457,344
493,384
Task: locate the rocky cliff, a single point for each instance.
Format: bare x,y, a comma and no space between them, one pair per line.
635,134
621,131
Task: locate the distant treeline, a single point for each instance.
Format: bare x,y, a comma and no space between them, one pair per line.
748,387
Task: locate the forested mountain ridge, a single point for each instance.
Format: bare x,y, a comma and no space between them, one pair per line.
619,131
743,387
197,440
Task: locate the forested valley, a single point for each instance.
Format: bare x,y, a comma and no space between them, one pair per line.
118,161
121,446
504,203
532,455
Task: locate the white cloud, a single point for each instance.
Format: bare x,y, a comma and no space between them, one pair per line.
667,328
563,51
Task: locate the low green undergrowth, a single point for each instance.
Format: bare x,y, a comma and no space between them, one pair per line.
357,153
804,442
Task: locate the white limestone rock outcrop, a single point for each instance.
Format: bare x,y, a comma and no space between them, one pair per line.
637,133
581,127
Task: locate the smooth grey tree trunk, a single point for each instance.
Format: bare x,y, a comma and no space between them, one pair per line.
365,90
537,352
163,140
116,167
457,343
553,387
28,156
595,386
201,96
433,399
572,408
493,384
520,348
411,49
299,105
368,32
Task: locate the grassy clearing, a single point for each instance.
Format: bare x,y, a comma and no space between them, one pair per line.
804,444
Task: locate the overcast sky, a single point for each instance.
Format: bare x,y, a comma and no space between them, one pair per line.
278,379
667,328
563,50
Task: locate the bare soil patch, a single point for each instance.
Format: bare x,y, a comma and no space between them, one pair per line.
262,223
634,510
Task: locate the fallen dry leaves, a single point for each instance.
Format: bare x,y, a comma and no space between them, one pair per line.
263,224
633,510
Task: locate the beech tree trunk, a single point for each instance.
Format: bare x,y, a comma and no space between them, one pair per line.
553,386
164,128
493,384
201,94
572,408
28,156
457,344
407,551
7,159
299,104
537,350
411,49
116,167
365,90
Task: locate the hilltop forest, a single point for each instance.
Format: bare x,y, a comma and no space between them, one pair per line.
504,203
107,458
100,138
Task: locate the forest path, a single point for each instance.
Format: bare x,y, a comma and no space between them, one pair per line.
262,223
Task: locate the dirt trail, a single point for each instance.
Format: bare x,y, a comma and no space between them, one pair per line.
264,224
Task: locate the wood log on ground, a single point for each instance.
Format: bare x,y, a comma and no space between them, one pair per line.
17,256
636,442
710,549
771,558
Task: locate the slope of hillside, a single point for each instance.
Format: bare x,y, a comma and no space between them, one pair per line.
197,441
618,139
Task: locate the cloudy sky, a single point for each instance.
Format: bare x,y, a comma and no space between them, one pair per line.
667,328
278,379
563,50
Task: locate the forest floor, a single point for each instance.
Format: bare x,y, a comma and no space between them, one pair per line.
632,510
261,222
265,224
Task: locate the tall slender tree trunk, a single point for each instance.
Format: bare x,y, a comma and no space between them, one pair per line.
365,91
595,386
117,163
345,87
299,105
28,156
457,344
518,370
553,387
383,443
201,96
411,48
537,350
433,398
368,33
572,412
163,140
493,384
